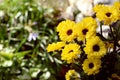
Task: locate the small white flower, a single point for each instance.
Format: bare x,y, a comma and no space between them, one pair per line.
32,36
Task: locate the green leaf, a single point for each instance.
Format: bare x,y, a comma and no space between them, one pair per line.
21,55
7,56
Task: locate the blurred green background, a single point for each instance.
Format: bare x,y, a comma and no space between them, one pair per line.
26,28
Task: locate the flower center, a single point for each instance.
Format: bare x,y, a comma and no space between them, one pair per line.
69,32
70,51
96,48
84,31
108,14
91,65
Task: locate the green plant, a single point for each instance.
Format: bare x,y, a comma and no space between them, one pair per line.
25,31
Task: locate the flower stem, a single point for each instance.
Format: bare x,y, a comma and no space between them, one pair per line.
114,38
101,28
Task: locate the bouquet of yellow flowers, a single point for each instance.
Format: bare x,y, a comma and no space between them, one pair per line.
88,53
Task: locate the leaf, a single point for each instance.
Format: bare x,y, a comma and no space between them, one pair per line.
20,55
7,56
57,61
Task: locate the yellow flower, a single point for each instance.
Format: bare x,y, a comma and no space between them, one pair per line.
72,75
70,52
91,65
86,28
66,30
55,46
98,7
95,47
63,24
117,6
107,14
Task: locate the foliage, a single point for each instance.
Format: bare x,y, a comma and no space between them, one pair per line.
26,28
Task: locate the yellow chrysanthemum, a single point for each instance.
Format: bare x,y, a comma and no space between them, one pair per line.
86,28
66,30
63,24
95,47
55,46
91,66
107,14
117,6
98,7
72,75
70,52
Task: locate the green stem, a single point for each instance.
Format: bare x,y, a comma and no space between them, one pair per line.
21,44
35,49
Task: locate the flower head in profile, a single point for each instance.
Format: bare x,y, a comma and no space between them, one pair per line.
86,28
55,46
91,65
72,75
66,30
107,14
95,47
70,52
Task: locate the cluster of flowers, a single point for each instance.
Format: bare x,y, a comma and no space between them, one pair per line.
81,45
